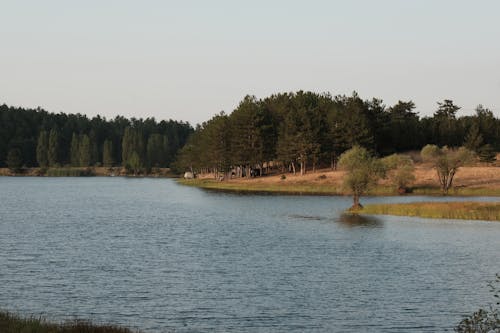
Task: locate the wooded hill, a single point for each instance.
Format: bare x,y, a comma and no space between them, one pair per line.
35,137
306,130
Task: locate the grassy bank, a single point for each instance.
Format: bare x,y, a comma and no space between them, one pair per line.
10,323
318,188
488,211
251,187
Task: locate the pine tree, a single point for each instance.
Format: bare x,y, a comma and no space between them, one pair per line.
94,148
53,149
473,140
132,142
41,150
85,153
75,150
126,145
107,153
166,158
487,154
155,150
14,159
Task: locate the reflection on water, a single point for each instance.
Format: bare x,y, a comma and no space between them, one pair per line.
306,217
356,220
154,255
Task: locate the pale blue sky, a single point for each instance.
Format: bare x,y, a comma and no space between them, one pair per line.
187,60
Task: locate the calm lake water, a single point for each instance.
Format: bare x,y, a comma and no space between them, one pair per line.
154,255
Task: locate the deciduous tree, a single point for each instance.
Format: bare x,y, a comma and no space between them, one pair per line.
446,161
362,171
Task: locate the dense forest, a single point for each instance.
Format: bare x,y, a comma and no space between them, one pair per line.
306,130
292,131
34,137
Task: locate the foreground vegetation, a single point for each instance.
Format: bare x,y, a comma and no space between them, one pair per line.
10,323
486,319
488,211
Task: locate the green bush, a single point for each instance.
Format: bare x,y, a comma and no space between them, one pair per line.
484,320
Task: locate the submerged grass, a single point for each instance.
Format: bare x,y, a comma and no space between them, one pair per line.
457,191
488,211
10,323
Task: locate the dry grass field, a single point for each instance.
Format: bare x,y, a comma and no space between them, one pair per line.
472,180
476,176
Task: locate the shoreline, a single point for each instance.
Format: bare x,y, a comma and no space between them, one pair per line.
330,190
478,180
86,172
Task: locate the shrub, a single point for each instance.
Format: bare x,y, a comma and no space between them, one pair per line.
484,320
10,323
400,170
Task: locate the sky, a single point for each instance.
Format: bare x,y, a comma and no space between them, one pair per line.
187,60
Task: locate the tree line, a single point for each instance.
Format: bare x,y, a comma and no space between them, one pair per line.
304,130
35,137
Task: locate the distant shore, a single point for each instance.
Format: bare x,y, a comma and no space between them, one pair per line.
469,181
85,172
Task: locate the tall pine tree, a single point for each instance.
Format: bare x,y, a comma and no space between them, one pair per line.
85,153
42,149
53,149
107,153
75,150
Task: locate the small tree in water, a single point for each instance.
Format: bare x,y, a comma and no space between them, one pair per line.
363,171
446,161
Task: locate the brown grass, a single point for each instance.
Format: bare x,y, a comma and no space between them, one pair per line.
488,211
476,180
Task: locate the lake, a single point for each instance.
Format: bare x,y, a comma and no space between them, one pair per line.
158,256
